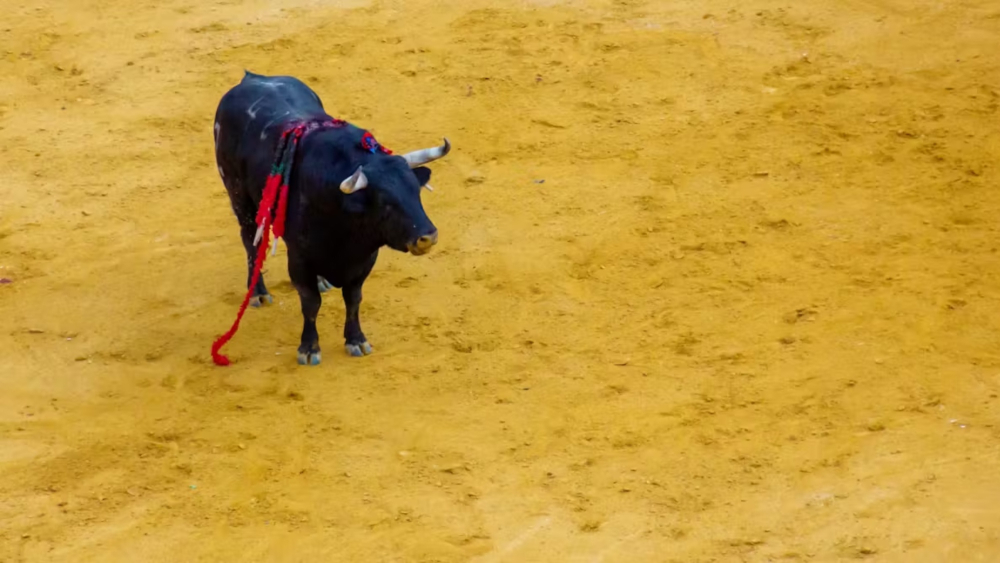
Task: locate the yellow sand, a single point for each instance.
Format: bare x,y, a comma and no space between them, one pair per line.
750,315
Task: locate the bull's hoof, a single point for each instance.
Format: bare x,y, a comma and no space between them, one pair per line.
324,285
309,358
359,350
258,300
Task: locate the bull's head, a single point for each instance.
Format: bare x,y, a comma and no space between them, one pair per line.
392,188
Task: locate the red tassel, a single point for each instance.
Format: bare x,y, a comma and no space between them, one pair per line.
263,218
279,218
218,358
270,194
267,198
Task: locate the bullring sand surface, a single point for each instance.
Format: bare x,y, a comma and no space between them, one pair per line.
717,281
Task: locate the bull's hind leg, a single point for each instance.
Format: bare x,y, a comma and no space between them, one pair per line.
260,294
246,215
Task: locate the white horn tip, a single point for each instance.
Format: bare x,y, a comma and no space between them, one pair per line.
428,187
355,182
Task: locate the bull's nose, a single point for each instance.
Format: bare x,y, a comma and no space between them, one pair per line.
427,241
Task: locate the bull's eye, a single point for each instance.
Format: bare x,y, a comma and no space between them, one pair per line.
374,198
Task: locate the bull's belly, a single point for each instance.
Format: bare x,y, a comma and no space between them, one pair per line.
339,270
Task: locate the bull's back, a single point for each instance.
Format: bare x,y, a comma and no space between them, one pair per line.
248,123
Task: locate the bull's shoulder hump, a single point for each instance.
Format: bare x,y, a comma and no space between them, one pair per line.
276,81
284,89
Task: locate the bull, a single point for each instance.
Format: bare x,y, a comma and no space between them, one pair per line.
345,199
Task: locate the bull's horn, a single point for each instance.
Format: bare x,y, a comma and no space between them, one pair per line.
428,187
356,181
423,156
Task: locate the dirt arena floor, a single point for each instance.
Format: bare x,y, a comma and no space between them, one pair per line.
717,281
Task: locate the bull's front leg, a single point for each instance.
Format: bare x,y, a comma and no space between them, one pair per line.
354,340
305,285
309,353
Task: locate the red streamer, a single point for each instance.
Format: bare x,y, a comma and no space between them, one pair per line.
218,358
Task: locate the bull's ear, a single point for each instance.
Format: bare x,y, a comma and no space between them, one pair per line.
423,175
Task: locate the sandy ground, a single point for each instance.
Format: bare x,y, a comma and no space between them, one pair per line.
750,314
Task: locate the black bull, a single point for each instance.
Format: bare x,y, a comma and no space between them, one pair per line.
344,201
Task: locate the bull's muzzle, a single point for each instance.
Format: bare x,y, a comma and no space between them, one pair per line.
423,244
